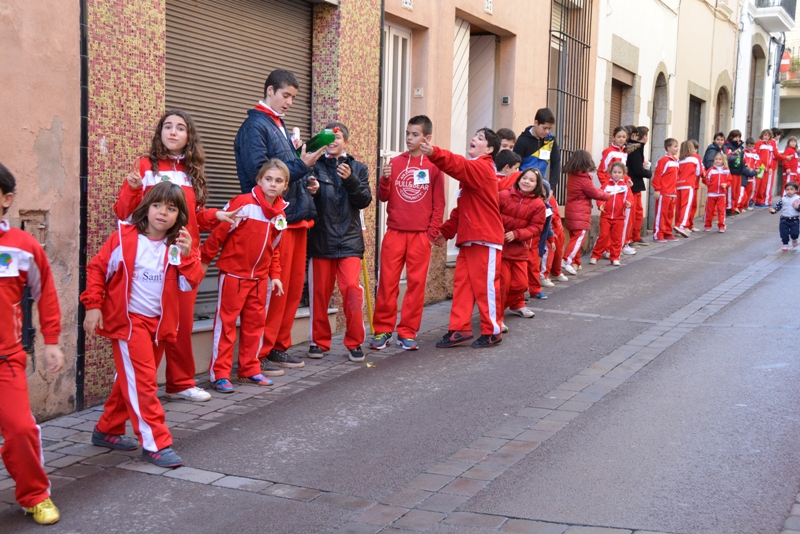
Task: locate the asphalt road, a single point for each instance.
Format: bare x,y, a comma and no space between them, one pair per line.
701,438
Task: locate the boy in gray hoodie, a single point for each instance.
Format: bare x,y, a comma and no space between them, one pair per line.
789,206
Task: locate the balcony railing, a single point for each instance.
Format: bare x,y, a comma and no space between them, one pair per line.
788,5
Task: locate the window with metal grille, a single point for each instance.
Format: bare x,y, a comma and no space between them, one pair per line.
568,77
695,115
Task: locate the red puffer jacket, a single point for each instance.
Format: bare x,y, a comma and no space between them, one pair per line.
524,215
580,193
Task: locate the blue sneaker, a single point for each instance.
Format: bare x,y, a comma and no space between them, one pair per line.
119,442
223,385
762,205
540,295
408,343
380,341
164,458
258,380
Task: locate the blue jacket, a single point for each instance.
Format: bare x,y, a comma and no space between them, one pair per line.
540,153
260,139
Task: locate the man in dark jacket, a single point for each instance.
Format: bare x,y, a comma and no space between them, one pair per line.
538,148
336,245
713,149
638,173
263,136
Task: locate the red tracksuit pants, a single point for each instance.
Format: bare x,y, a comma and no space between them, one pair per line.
636,218
247,299
133,395
693,210
322,274
765,187
665,215
612,234
732,196
399,249
513,283
554,254
283,309
180,357
572,254
788,176
715,206
534,271
683,214
22,447
477,279
745,194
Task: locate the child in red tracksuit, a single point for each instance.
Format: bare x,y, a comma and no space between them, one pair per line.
522,210
614,153
665,183
790,162
613,217
768,154
718,179
413,189
249,272
132,297
752,163
507,163
690,170
697,157
176,155
23,263
480,239
554,250
578,210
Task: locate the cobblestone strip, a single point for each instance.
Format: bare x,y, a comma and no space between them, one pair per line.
792,523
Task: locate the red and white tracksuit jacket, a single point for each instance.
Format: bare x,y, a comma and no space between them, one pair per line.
790,165
23,263
138,341
718,180
480,238
690,171
612,221
610,155
414,196
249,260
665,181
769,155
180,358
753,162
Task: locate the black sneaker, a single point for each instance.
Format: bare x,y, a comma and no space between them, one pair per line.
452,339
164,458
356,355
270,369
283,359
118,442
315,352
486,341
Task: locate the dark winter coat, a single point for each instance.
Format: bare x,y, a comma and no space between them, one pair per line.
711,152
524,215
636,170
730,149
528,147
337,229
580,193
260,139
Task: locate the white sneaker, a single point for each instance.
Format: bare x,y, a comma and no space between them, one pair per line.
503,328
523,312
546,282
562,278
606,255
682,231
577,267
615,263
194,394
592,261
628,251
568,269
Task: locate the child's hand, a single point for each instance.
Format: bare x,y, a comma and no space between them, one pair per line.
311,159
627,204
772,210
344,171
184,241
54,358
426,148
134,180
602,208
440,240
277,287
656,194
387,170
509,237
231,217
93,320
313,185
725,186
205,268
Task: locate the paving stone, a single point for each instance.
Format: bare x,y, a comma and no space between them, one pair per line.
575,406
64,422
7,483
451,468
83,450
357,528
203,410
54,432
238,409
242,483
487,444
795,509
596,530
78,470
475,520
182,433
179,417
194,475
537,436
504,432
792,523
561,394
406,497
344,501
218,417
217,403
292,492
484,472
7,496
442,502
533,413
502,458
106,460
64,461
199,424
523,422
429,482
143,467
419,520
381,514
468,455
80,437
185,407
464,486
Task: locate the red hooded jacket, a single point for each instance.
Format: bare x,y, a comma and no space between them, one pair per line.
790,159
524,215
109,277
690,171
665,179
715,179
610,155
580,193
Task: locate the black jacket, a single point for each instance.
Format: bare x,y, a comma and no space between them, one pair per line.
337,230
711,152
729,148
260,139
636,169
527,147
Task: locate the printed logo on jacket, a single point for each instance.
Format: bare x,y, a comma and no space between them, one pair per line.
412,184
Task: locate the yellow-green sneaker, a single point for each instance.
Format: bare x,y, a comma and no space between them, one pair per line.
44,513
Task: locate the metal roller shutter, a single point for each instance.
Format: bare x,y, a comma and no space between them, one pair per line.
615,115
219,52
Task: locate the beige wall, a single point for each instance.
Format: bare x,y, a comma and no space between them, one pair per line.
39,143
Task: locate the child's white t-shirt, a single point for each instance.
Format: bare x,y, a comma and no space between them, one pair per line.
148,277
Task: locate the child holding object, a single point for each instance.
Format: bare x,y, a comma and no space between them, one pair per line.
718,180
612,220
578,211
789,208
